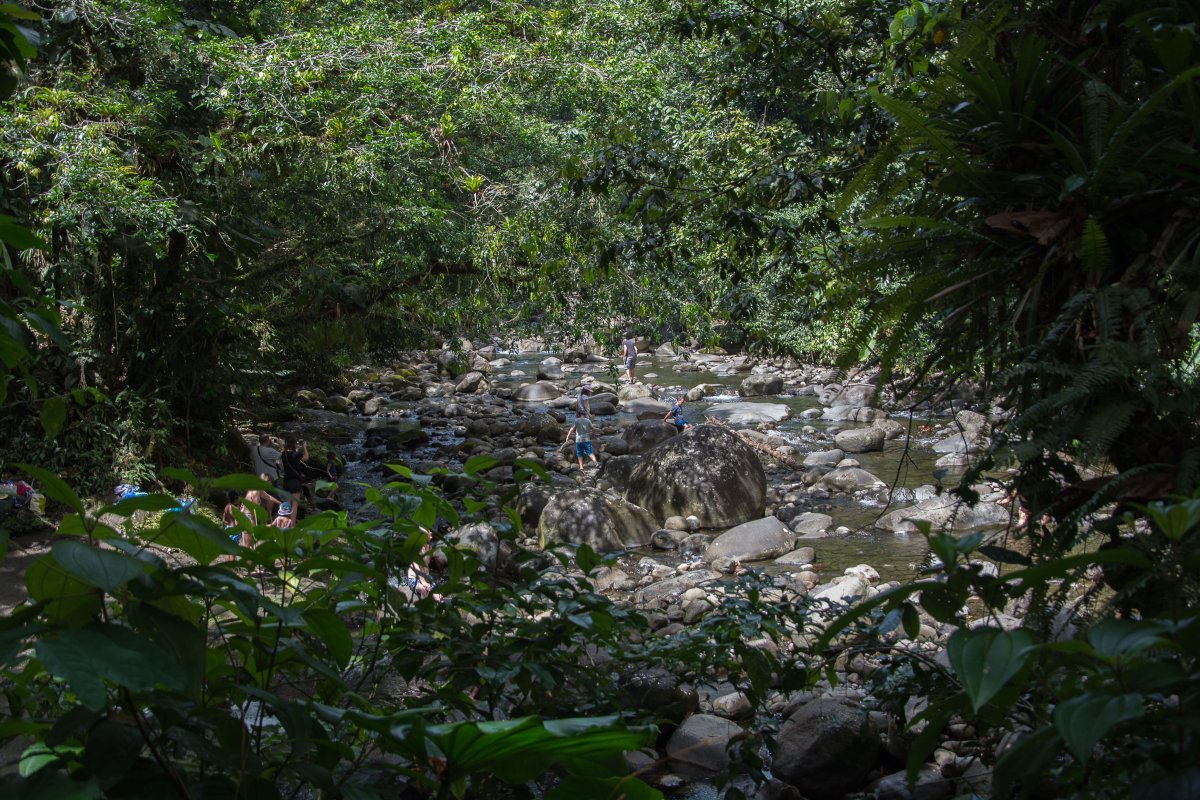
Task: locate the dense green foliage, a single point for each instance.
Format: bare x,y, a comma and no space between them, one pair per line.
184,676
231,192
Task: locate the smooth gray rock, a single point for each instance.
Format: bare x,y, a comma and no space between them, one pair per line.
811,522
824,458
945,513
700,745
801,555
537,392
854,394
647,434
672,588
752,541
742,415
849,479
757,385
860,440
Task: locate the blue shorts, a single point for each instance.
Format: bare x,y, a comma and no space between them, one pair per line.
583,449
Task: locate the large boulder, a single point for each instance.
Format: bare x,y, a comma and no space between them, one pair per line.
647,434
634,391
700,746
707,471
945,513
854,394
646,408
538,392
756,385
826,749
471,383
602,521
744,415
543,427
860,440
824,458
752,541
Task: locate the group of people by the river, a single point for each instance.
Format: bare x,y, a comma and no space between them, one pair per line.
288,471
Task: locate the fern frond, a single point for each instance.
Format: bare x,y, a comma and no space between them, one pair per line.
1094,249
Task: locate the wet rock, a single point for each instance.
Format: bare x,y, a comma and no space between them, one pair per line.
672,588
664,539
824,458
801,555
757,385
854,395
930,785
694,544
945,513
849,479
744,415
810,522
860,440
657,690
752,541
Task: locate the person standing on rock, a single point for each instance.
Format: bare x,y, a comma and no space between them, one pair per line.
676,415
266,459
629,353
583,433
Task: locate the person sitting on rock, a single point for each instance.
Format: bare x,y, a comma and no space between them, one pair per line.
676,415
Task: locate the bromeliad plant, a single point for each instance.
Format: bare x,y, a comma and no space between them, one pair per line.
149,663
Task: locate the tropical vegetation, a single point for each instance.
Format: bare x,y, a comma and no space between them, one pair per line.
204,199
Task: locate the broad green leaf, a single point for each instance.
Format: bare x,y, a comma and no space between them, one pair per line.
942,602
112,750
184,641
480,463
198,538
53,415
1084,720
1025,760
85,657
70,601
38,755
911,620
573,787
986,659
1117,637
332,631
105,569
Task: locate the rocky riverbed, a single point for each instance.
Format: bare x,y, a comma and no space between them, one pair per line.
812,479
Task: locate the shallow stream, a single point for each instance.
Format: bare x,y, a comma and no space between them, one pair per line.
902,463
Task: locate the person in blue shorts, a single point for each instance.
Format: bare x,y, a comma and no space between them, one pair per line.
583,439
675,415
